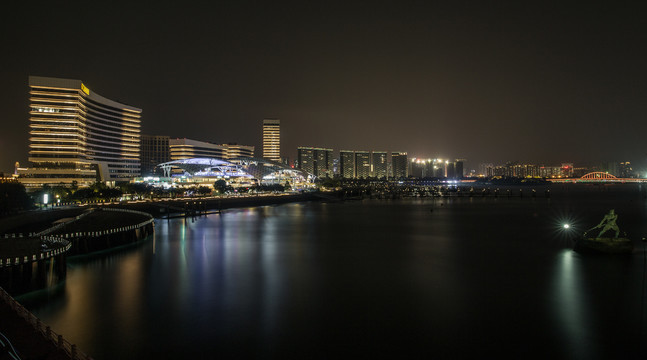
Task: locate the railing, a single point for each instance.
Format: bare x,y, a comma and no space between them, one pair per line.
126,210
57,340
65,246
113,230
58,226
48,230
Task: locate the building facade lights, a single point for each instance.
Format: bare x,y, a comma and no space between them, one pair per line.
78,136
272,139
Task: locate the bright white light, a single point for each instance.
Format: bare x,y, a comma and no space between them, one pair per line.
566,226
45,198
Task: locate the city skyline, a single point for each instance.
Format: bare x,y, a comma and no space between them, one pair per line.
485,82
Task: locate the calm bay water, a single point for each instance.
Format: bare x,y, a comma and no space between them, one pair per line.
375,278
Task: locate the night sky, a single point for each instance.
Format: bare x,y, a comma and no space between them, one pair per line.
487,81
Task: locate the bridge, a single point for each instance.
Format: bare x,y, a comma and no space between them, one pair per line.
598,177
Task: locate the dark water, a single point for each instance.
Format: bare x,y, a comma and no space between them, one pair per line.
443,278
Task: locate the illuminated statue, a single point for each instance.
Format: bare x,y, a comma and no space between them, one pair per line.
609,223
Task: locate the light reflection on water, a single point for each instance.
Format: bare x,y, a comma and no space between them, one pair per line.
473,277
571,305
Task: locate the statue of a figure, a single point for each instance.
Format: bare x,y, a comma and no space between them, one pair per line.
608,223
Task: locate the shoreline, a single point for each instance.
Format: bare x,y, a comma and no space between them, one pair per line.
196,206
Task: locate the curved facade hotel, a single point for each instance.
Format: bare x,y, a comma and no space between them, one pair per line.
78,135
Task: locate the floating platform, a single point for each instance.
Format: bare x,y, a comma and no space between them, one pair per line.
604,245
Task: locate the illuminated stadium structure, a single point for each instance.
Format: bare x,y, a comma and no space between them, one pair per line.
238,172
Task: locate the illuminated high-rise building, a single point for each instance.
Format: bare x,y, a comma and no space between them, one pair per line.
79,137
379,168
305,159
272,139
347,164
324,162
399,164
315,161
362,164
417,168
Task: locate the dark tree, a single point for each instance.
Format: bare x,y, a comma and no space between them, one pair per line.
13,198
220,186
204,190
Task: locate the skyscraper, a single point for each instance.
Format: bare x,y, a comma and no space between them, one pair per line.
362,164
324,162
272,139
347,164
399,164
315,161
417,168
78,136
306,159
459,165
379,164
450,169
